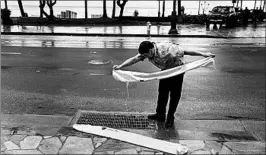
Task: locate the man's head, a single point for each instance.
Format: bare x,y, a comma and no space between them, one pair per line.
145,47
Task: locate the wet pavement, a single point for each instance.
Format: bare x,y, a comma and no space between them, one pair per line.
50,134
55,135
187,29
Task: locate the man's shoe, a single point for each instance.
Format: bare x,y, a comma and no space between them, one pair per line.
156,117
169,123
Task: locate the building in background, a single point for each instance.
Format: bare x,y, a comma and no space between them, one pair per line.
67,14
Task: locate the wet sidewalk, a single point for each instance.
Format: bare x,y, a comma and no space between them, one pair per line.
46,134
188,30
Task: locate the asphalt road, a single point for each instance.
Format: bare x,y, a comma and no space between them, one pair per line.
58,75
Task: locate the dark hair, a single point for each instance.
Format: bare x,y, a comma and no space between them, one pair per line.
145,47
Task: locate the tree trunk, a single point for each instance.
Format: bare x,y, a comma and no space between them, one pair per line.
86,9
113,14
122,6
163,8
50,5
21,9
255,4
42,5
104,9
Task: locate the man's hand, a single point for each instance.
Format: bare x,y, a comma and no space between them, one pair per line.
116,67
209,55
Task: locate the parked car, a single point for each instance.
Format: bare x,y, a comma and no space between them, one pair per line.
224,15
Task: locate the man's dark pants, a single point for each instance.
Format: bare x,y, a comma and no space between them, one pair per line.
169,87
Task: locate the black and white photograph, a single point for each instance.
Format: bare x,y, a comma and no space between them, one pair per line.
133,77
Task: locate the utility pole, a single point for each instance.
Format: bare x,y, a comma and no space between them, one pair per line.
179,7
264,5
86,10
173,29
6,4
159,8
199,8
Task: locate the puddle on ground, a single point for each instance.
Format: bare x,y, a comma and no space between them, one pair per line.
99,62
6,67
226,137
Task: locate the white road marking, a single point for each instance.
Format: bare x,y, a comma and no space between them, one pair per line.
10,53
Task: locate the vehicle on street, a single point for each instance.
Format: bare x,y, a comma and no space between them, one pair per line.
224,15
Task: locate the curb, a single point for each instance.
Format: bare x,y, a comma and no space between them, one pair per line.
121,35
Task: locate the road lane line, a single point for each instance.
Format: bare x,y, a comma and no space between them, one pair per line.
10,53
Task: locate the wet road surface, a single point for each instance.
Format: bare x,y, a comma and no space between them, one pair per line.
58,75
186,29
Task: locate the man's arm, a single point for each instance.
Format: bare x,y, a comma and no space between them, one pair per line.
196,53
129,62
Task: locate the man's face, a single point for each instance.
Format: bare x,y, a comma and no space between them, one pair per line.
148,55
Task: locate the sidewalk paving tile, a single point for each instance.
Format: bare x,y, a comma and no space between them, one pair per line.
3,147
11,146
193,145
17,138
28,119
213,146
106,152
69,131
127,151
30,142
76,145
225,150
250,125
195,135
23,152
201,152
233,136
98,141
63,138
114,145
241,147
46,130
260,136
50,145
209,125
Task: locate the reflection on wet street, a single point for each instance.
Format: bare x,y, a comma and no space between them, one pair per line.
188,29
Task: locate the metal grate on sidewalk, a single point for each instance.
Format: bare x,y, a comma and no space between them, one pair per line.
116,120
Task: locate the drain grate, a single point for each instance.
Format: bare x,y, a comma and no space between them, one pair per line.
114,120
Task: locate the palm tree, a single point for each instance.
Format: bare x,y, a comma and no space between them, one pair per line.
23,14
122,6
163,8
113,14
104,9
